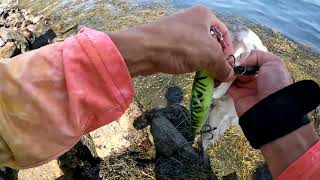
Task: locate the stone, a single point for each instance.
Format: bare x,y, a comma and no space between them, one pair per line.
8,50
50,170
10,35
26,33
5,14
2,42
1,11
23,24
2,22
17,24
113,136
43,39
168,140
35,19
25,12
32,28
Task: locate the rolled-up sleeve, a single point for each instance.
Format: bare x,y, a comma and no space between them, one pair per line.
50,97
307,167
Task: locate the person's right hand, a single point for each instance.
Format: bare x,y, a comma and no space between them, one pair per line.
273,75
177,44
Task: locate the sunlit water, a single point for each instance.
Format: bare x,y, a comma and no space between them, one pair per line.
297,19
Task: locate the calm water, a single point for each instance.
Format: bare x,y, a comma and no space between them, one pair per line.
297,19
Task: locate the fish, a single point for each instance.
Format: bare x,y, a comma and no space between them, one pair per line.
212,109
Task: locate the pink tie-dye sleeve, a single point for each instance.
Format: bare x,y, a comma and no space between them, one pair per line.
50,97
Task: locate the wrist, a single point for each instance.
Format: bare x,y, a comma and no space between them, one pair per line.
283,151
133,47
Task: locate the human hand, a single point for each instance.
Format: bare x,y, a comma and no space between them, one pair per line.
273,75
176,44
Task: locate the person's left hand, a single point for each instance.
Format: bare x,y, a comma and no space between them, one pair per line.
176,44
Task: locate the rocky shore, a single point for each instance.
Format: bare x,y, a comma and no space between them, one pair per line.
21,31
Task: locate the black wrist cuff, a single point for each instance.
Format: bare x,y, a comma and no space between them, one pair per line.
280,113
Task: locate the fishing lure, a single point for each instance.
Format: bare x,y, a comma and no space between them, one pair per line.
201,99
202,91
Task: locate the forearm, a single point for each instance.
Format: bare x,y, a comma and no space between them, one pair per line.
277,125
50,97
282,152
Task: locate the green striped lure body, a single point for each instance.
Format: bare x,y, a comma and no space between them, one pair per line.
201,99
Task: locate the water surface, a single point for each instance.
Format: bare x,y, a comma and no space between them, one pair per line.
297,19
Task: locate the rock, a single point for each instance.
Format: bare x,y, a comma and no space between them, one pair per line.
17,24
11,35
25,12
8,50
114,136
81,162
2,42
35,19
50,170
8,174
26,33
43,39
5,14
232,176
32,28
262,173
1,11
2,22
169,141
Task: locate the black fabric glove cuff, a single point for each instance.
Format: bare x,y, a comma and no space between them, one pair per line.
280,113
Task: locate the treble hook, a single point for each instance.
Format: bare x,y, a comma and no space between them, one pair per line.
208,131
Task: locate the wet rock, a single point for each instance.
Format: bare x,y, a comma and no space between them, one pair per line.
81,161
42,40
262,173
169,141
8,174
232,176
8,50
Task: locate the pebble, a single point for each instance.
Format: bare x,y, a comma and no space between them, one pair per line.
35,19
26,33
32,28
2,42
8,50
1,11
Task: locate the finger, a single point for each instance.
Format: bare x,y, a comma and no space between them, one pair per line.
221,70
246,79
226,35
